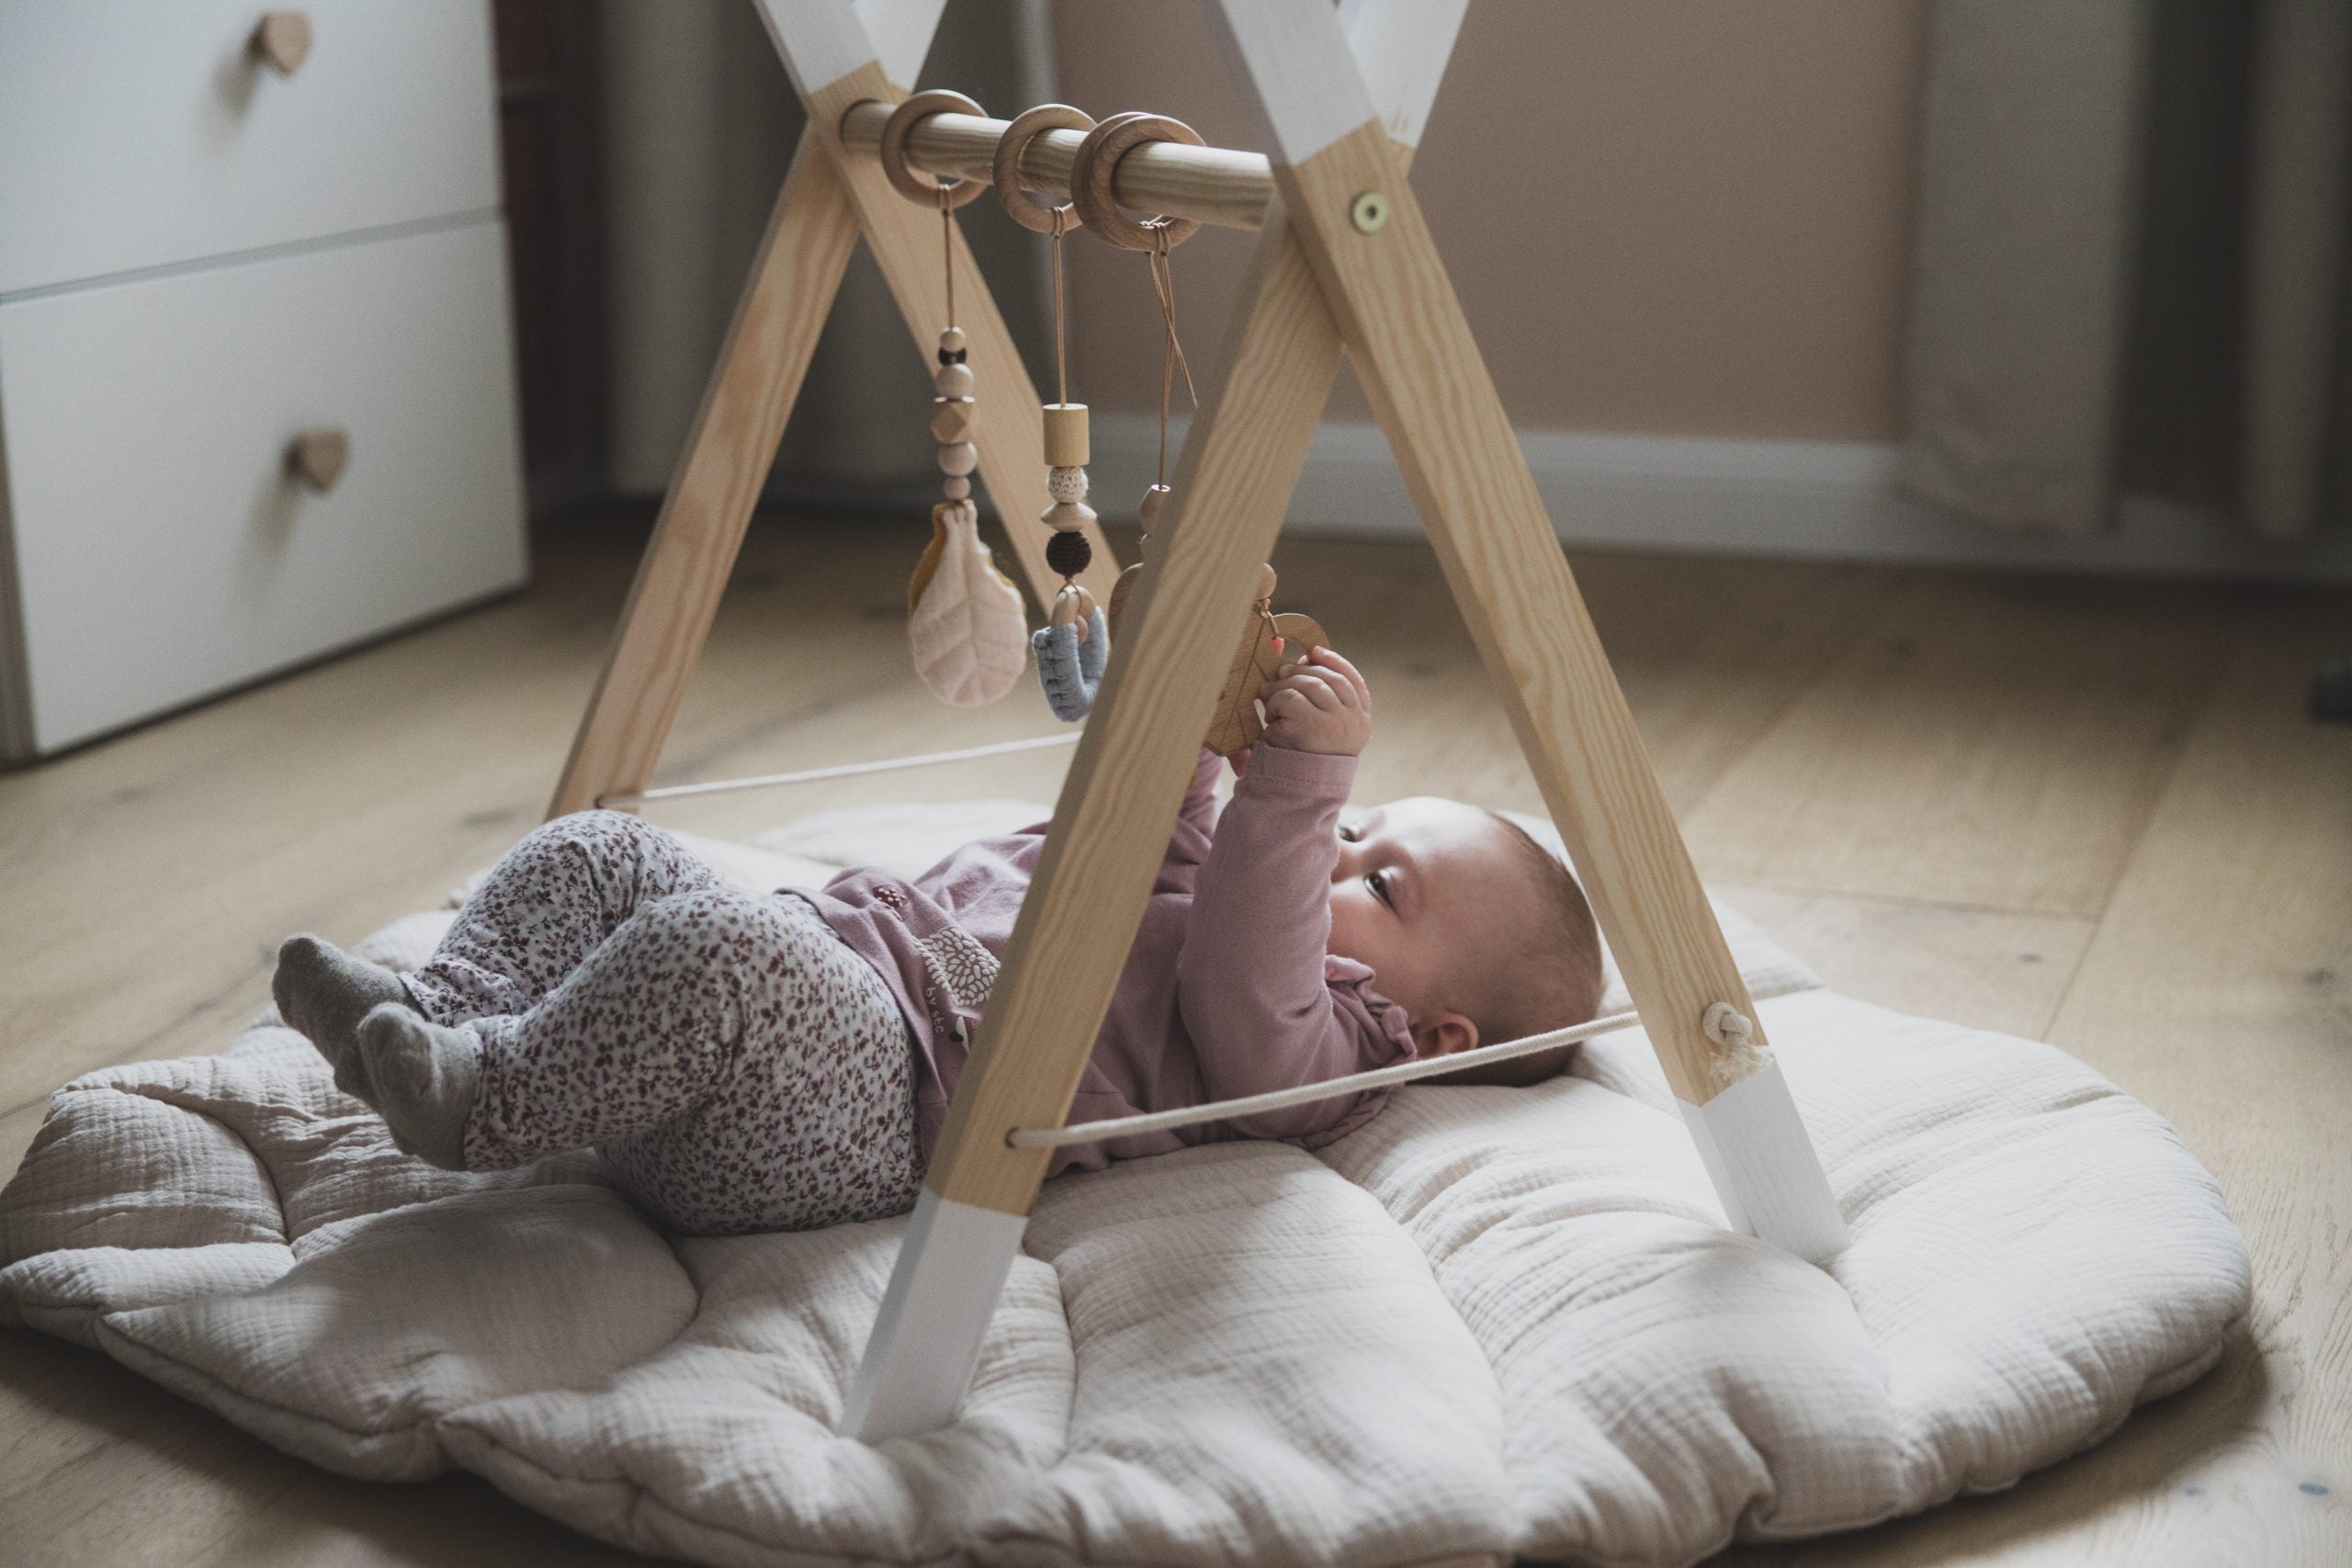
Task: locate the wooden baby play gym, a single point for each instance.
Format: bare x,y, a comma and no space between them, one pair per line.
1344,261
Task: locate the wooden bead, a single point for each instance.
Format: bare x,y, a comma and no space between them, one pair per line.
1066,516
951,419
282,38
1154,499
1265,583
954,381
951,339
955,487
1065,436
959,459
1067,484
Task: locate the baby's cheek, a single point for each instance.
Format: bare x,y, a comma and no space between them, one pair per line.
1347,923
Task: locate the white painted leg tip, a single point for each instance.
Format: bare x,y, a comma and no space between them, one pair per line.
1764,1167
935,1313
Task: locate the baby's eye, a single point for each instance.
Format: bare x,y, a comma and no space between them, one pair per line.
1378,882
1349,832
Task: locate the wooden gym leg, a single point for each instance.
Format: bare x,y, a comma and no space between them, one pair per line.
1110,830
1239,467
1382,281
728,455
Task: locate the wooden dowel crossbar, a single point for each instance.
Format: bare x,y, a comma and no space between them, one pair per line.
1222,186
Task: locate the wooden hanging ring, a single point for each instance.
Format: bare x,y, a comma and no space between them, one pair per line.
1098,164
1030,125
925,188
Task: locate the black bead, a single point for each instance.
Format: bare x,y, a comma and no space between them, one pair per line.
1069,554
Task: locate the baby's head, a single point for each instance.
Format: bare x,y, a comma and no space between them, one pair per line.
1472,927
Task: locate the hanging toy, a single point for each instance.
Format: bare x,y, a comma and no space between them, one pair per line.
966,624
1270,643
1091,172
1148,515
1074,644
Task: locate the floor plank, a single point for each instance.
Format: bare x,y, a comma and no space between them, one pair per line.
2015,735
2220,991
1988,969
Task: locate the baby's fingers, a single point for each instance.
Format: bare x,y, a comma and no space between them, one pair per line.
1330,660
1315,686
1289,702
1334,682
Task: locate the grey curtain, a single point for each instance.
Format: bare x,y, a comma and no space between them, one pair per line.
2133,272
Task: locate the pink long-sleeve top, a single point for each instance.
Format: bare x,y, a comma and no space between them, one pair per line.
1230,990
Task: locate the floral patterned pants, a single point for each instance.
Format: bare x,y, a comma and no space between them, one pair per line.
736,1065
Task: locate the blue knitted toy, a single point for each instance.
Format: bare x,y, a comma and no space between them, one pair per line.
1071,669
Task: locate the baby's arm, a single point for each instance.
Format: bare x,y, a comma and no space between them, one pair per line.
1197,817
1250,980
1188,841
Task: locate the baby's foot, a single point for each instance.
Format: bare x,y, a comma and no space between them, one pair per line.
325,992
423,1077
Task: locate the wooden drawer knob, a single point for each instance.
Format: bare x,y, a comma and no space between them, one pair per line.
282,38
317,458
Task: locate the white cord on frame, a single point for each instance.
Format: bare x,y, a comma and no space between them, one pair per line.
843,770
1306,1094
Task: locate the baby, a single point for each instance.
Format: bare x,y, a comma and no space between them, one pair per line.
748,1061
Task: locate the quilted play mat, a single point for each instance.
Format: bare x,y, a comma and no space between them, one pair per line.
1492,1321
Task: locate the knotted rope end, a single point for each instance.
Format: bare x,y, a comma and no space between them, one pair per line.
1743,1051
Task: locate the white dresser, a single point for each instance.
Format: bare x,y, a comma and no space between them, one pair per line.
256,388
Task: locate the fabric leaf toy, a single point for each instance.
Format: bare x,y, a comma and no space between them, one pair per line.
965,619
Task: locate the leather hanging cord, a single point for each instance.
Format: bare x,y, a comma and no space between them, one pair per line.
947,251
1061,361
1171,352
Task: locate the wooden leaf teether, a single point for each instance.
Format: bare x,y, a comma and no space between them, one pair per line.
964,622
1121,590
1270,645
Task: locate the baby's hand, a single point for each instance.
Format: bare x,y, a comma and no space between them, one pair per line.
1319,704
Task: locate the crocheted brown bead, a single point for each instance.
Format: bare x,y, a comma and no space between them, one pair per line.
1069,554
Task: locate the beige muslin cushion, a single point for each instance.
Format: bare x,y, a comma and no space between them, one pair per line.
1494,1321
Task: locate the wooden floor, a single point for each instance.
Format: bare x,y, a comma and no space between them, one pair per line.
2088,812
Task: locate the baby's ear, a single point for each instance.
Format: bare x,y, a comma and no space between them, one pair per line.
1443,1034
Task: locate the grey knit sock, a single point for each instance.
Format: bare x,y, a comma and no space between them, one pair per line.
325,992
425,1077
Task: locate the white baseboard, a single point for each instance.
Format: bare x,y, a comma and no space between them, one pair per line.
1817,499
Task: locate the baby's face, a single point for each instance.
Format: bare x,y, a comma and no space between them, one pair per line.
1421,894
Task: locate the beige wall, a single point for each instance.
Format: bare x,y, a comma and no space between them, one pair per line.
1664,217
